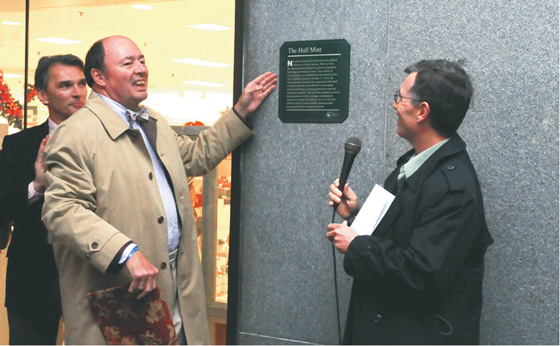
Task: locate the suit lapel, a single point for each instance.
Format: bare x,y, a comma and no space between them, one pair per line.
36,135
31,142
43,129
396,206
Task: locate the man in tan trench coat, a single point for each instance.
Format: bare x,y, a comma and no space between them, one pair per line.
117,201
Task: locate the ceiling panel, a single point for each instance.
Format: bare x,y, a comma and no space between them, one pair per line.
160,33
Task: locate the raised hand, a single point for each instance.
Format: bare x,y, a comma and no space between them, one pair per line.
39,183
255,92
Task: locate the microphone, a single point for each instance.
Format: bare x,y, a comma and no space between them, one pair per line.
351,149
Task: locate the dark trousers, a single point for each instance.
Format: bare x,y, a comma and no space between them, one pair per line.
34,327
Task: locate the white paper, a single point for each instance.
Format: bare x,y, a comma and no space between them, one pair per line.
373,210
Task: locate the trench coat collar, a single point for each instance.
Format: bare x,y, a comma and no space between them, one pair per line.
454,146
111,121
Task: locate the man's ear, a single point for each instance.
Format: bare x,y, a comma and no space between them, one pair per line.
98,76
424,112
43,96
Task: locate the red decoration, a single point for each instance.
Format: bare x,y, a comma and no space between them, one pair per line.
195,123
11,109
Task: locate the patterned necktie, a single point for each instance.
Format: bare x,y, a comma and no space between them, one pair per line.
141,115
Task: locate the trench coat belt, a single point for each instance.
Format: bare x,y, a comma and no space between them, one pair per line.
173,255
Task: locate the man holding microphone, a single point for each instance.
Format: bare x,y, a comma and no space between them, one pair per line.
418,276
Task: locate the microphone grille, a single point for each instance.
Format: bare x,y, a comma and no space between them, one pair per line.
353,145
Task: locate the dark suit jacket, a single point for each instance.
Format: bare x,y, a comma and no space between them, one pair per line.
418,277
31,277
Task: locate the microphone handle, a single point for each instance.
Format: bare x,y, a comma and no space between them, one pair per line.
344,172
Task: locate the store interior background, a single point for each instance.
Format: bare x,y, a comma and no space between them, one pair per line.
166,31
286,294
189,49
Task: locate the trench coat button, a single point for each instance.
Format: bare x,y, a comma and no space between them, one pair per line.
160,220
377,318
94,245
163,265
151,176
450,167
88,256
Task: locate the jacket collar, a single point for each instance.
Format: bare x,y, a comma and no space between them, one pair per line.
44,128
111,121
454,146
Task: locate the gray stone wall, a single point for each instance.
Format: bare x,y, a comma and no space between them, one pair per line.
510,48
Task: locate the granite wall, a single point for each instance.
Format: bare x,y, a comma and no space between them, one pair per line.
510,48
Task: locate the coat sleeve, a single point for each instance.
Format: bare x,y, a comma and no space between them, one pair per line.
445,228
13,181
203,154
70,199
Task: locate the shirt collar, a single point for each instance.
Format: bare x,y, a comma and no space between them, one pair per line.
416,160
116,107
52,125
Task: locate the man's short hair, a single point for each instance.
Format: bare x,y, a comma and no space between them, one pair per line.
448,90
45,64
95,58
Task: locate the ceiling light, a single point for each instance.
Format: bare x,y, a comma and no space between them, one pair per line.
7,75
58,40
10,23
210,27
208,84
143,7
201,63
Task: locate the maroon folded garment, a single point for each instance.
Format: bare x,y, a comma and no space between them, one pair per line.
125,320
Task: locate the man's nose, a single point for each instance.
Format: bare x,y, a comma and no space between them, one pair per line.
139,67
76,90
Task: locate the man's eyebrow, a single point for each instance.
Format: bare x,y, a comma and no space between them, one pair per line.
70,82
130,57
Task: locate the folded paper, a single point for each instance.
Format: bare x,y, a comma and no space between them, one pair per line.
373,210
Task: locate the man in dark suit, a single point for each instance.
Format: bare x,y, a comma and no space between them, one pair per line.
32,289
418,276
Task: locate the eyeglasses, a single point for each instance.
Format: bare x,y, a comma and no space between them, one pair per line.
397,97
